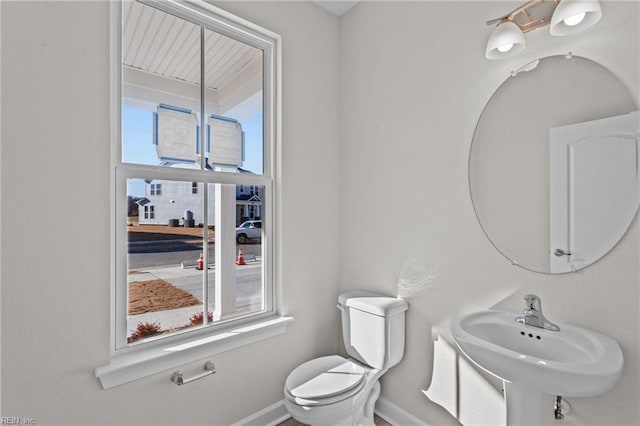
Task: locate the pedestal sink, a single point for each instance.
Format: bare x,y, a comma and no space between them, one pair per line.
572,362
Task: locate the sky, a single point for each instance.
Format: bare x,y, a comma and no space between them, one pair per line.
138,148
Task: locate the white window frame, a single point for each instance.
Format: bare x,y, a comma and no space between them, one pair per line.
155,189
149,211
132,361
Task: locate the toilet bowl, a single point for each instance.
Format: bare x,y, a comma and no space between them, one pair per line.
333,390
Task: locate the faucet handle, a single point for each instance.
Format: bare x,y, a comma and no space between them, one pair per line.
533,302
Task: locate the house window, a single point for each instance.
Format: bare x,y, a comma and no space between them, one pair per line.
149,212
176,135
155,189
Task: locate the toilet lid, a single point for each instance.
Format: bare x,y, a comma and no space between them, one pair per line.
324,377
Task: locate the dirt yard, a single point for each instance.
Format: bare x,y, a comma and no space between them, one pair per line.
164,232
157,295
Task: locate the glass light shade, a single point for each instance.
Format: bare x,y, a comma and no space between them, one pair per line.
568,9
505,34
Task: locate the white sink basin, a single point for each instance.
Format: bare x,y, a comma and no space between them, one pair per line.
572,362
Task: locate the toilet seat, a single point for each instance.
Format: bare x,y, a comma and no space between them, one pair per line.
325,380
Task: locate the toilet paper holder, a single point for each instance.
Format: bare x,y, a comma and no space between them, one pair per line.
177,378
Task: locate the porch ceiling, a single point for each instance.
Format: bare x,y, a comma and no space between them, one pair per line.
166,46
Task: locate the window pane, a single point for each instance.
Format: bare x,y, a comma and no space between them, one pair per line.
236,287
164,235
160,87
192,98
233,73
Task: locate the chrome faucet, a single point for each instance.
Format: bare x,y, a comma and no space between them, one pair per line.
533,314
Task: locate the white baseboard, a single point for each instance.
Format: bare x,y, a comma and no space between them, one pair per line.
395,415
277,413
269,416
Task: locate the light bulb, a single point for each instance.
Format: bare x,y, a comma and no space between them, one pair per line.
505,40
573,16
505,47
575,19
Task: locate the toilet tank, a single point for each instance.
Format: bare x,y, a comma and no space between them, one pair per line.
373,328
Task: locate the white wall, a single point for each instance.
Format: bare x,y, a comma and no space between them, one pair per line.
414,82
396,185
55,263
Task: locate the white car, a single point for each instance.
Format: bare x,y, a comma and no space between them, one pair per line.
249,230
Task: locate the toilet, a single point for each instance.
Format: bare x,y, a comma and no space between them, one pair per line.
333,390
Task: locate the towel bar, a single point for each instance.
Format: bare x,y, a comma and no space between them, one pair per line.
209,368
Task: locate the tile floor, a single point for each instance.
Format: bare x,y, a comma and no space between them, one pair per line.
292,422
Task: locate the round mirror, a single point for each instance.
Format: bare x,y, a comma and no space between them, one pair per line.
553,168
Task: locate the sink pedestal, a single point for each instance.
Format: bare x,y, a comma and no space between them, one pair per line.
523,405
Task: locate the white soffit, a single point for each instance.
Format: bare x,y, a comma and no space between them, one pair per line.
337,7
164,46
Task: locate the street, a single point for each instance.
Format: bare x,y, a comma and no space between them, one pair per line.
150,254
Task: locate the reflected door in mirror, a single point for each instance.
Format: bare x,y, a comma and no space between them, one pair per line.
593,189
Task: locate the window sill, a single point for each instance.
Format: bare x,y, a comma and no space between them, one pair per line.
136,365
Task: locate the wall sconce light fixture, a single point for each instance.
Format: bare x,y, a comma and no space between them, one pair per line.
564,17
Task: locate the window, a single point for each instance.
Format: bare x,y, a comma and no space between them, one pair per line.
149,212
197,123
155,189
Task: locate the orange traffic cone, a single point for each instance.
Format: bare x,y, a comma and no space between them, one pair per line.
240,260
200,264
